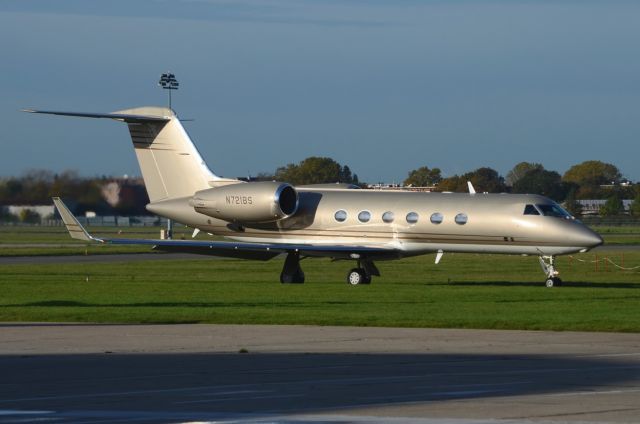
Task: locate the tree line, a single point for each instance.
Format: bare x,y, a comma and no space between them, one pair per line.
37,187
587,180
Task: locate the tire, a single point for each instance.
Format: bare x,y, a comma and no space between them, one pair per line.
550,282
355,277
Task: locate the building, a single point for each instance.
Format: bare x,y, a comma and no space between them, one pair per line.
592,207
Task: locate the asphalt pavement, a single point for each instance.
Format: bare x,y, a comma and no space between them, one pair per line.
236,373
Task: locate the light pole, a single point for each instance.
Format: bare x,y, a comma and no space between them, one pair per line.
169,82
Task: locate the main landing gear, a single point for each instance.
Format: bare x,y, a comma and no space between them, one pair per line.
363,273
547,265
292,272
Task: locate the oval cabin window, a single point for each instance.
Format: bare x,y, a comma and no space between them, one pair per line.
412,217
387,217
437,218
340,216
461,219
364,216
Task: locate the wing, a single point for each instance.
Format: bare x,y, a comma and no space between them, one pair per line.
260,251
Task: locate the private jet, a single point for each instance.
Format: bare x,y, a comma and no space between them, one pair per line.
262,220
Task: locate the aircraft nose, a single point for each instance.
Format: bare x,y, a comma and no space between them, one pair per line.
588,238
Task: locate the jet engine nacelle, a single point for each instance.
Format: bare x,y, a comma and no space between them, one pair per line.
248,203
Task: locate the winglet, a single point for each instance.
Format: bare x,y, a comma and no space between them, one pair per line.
76,230
471,189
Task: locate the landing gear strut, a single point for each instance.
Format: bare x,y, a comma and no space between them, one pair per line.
547,265
291,271
363,273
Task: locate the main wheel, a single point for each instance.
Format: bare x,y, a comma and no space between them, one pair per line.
356,276
551,282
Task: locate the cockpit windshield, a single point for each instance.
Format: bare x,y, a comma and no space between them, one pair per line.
547,209
553,210
531,210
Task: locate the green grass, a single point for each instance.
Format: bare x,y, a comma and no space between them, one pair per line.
619,235
463,291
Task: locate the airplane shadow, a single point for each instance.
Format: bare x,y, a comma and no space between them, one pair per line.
192,386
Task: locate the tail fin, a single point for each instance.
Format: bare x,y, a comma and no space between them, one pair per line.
170,163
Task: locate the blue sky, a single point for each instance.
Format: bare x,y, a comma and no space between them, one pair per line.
383,86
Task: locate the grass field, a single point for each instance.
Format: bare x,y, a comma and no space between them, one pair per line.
465,291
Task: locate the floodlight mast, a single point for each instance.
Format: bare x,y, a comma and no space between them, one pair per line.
169,82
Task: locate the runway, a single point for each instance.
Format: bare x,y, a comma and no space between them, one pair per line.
235,373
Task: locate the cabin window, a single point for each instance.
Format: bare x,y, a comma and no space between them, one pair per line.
461,218
412,217
364,216
340,215
553,210
436,218
388,217
531,210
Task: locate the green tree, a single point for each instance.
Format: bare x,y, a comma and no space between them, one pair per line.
483,179
520,170
571,203
454,183
592,173
613,206
541,181
423,177
486,179
315,170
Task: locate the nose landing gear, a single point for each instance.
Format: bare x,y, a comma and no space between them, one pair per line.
547,265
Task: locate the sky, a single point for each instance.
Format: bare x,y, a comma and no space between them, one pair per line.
381,86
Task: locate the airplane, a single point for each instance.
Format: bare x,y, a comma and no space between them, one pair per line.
262,220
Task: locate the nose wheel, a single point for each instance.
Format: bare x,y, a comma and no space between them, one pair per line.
547,263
